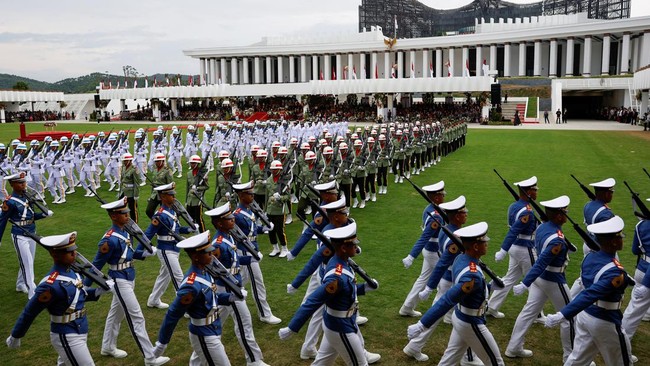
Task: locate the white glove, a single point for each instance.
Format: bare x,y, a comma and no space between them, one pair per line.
639,292
519,289
111,284
285,333
290,289
500,255
50,213
227,195
244,293
369,288
408,261
276,195
159,349
313,183
553,320
146,253
196,228
194,189
415,330
264,181
259,254
13,342
268,228
424,294
290,257
346,171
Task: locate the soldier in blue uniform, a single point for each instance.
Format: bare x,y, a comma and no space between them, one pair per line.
162,221
246,220
427,244
224,221
116,250
519,244
338,293
546,280
596,310
468,296
19,209
61,293
199,298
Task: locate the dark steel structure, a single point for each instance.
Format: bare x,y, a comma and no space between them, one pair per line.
416,20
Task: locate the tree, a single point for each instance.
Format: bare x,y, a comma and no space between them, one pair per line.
20,85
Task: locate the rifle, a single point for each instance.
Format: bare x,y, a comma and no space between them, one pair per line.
328,243
538,210
130,227
591,243
508,186
242,238
645,212
254,206
315,206
217,270
81,264
646,172
442,213
587,191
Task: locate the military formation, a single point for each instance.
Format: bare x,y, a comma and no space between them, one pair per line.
315,173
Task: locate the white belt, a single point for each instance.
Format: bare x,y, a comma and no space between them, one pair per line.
645,258
526,237
128,185
165,237
433,240
470,311
24,222
120,266
205,321
234,270
608,305
556,269
342,313
67,318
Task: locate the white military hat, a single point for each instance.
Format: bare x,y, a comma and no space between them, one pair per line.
65,242
127,157
329,187
198,242
166,189
607,184
221,212
475,232
344,235
527,183
440,186
613,226
17,178
336,206
119,206
243,186
557,203
454,205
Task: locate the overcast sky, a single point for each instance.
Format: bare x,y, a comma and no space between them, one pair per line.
52,40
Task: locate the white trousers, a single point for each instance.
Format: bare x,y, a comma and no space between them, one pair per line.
349,346
539,292
253,274
87,180
72,349
208,351
56,183
475,336
521,260
595,335
174,162
125,305
243,328
37,182
168,264
636,308
111,172
25,250
315,326
428,264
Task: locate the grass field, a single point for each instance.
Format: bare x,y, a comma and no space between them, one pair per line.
387,230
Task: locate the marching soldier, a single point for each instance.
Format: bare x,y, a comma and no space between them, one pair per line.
130,185
162,176
223,189
197,184
278,196
359,174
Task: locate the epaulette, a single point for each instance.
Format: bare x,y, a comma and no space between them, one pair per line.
560,234
219,239
472,267
339,269
237,211
617,263
108,233
52,277
190,278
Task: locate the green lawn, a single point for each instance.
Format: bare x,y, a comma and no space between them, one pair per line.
387,230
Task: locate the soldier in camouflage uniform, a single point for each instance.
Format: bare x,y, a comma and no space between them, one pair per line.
162,175
130,185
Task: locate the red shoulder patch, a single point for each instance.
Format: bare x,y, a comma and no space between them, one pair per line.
191,278
45,296
617,263
339,269
237,211
529,207
108,233
52,277
219,239
560,234
472,267
161,210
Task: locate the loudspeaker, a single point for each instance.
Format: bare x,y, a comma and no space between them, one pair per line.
96,100
495,95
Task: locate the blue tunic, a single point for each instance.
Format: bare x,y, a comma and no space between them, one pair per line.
167,216
19,209
116,248
641,247
553,254
522,223
449,253
431,230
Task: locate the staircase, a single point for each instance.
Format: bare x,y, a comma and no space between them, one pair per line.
259,116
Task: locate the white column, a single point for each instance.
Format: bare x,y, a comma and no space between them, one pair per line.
465,55
522,58
412,62
644,51
644,103
269,70
256,70
493,57
537,58
280,70
506,60
350,65
303,68
634,53
604,68
425,63
400,64
374,72
586,57
452,62
552,56
339,67
234,71
224,72
625,54
569,57
361,71
245,71
438,62
327,67
315,67
292,69
174,105
2,115
208,71
202,69
387,65
479,60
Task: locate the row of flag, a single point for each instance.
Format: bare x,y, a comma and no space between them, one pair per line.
168,82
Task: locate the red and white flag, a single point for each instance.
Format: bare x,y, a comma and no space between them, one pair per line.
135,83
467,68
167,80
321,76
431,69
190,81
354,72
412,70
376,72
146,82
333,74
178,81
393,71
